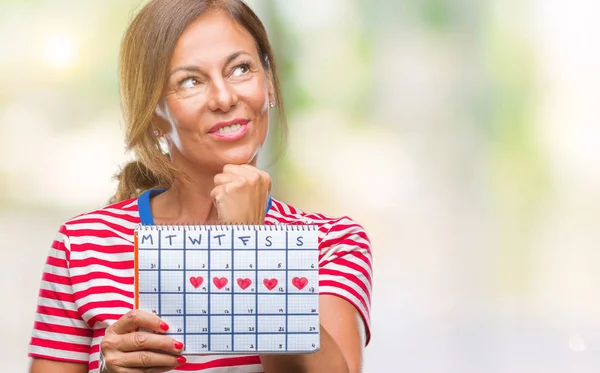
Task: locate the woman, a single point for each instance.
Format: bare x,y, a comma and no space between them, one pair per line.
198,79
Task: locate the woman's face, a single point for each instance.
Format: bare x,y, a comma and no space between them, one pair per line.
216,100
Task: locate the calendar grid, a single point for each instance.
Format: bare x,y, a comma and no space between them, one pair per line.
256,297
208,287
258,270
158,276
184,292
236,293
232,292
238,314
279,314
253,333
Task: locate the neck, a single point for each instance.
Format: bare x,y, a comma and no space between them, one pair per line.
187,201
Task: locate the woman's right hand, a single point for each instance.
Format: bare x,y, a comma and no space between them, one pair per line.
128,350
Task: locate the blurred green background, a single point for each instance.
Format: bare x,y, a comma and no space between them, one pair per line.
464,136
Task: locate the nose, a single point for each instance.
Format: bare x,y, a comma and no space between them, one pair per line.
222,97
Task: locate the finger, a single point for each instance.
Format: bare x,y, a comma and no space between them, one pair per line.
249,173
250,168
225,178
262,175
245,171
149,359
148,341
232,168
217,193
135,319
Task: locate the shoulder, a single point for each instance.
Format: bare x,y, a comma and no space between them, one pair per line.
335,233
282,213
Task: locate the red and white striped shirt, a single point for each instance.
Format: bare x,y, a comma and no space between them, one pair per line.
88,281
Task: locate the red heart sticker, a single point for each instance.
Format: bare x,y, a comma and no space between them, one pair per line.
270,283
299,282
196,281
244,283
220,282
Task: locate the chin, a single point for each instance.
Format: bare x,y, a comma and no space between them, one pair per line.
239,156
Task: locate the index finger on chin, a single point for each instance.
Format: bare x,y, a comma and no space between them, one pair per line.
255,170
136,319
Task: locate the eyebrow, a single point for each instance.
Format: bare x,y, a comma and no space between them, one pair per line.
193,68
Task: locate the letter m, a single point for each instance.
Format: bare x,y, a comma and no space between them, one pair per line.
149,236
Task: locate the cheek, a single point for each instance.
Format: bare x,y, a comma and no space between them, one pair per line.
256,96
183,120
185,112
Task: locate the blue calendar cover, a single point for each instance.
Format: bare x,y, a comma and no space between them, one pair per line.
231,289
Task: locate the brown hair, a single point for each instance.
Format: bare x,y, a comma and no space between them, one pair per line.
146,51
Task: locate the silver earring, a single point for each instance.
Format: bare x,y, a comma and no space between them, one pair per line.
272,104
156,133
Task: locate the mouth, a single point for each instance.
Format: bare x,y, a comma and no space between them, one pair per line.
231,130
229,126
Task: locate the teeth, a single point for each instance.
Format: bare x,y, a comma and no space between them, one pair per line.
229,129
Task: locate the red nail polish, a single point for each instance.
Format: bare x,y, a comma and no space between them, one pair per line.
164,326
178,345
181,360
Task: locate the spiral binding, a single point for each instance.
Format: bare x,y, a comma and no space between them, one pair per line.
228,227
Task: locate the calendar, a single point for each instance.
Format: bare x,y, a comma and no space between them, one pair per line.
231,289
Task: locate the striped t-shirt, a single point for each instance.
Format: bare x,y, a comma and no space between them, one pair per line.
88,280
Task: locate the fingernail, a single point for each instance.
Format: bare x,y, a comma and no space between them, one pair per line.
178,345
181,360
164,326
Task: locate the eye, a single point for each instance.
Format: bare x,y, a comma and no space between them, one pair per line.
189,83
240,70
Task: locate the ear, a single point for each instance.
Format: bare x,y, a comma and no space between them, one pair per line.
161,117
271,88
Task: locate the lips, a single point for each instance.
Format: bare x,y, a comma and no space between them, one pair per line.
229,126
229,129
232,130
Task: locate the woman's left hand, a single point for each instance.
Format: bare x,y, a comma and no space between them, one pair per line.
241,194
